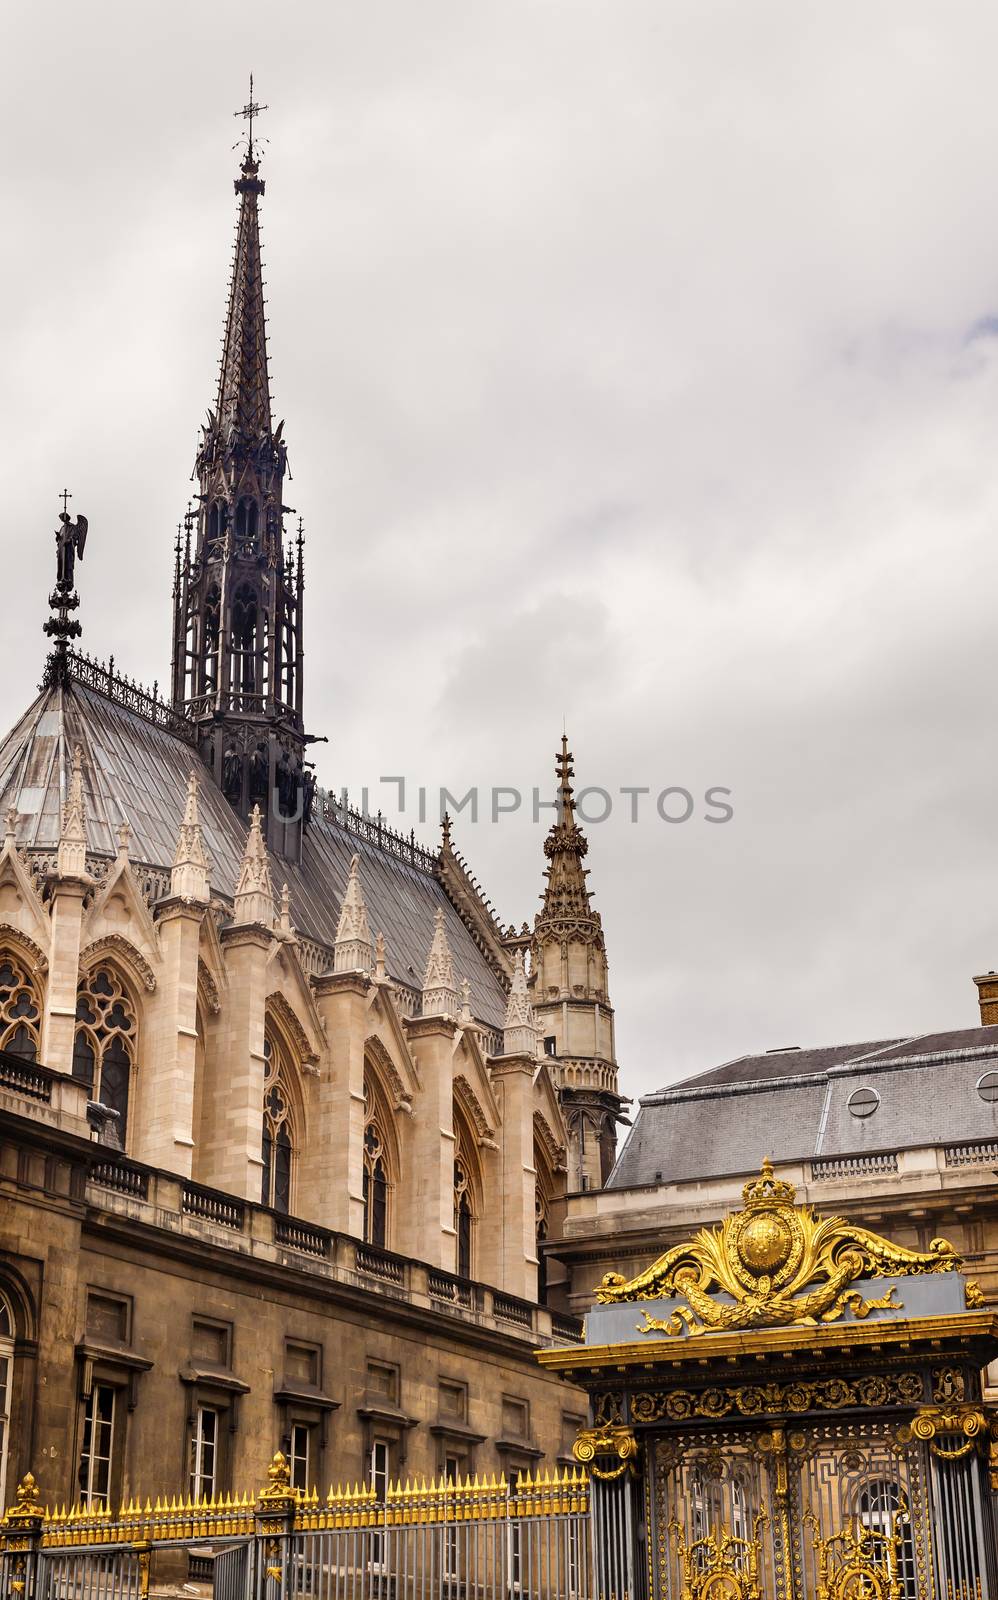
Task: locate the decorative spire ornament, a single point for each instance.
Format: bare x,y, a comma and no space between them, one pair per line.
380,962
71,858
189,877
254,899
70,541
464,1016
284,920
439,984
519,1034
352,950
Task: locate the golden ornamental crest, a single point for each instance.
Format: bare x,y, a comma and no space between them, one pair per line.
778,1262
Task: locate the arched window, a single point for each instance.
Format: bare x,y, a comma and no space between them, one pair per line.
19,1009
463,1216
104,1047
541,1233
244,641
377,1181
212,614
6,1388
246,518
882,1507
280,1147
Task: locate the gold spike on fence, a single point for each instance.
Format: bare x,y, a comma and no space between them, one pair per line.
191,1517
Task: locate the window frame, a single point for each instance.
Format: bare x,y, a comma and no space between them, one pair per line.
195,1473
89,1421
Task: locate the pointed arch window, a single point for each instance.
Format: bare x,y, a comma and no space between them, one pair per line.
7,1334
541,1233
104,1047
375,1186
20,1009
246,519
463,1218
212,622
279,1145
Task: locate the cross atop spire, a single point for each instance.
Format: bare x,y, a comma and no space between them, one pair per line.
249,111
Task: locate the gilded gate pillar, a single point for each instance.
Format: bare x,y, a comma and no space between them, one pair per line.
275,1524
20,1539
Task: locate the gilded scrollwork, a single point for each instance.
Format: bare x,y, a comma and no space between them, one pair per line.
720,1566
597,1447
777,1263
953,1430
858,1563
776,1399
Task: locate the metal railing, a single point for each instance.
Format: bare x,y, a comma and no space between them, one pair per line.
126,692
498,1539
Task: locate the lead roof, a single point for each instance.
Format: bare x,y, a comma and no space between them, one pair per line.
136,772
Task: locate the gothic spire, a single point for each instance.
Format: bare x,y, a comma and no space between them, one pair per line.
519,1034
189,877
254,901
352,951
439,983
566,845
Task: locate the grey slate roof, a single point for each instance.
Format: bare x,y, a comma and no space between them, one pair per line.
793,1106
137,772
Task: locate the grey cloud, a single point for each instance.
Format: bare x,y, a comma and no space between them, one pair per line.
631,338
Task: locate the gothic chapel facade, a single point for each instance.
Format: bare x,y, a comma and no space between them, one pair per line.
288,1116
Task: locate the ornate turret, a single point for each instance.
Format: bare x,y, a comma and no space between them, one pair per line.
237,637
569,993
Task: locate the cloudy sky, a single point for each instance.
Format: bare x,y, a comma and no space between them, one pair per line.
640,368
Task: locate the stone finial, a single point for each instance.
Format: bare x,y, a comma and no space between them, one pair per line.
464,1016
352,951
284,920
189,877
380,961
10,828
439,984
124,838
71,860
254,901
445,839
519,1034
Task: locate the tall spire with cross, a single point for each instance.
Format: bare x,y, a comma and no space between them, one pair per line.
571,1003
237,648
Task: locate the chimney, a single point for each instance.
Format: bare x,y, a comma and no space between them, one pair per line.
987,998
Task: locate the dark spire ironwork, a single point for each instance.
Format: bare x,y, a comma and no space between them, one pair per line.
237,648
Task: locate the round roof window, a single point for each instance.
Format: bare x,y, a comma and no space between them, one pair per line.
864,1102
987,1086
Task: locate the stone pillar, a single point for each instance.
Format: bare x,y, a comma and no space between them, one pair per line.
427,1212
337,1165
165,1136
513,1080
59,1022
233,1159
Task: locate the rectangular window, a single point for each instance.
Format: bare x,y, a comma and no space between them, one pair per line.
384,1380
107,1317
380,1458
211,1341
452,1471
299,1454
378,1469
301,1362
453,1399
95,1455
204,1453
515,1418
6,1363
